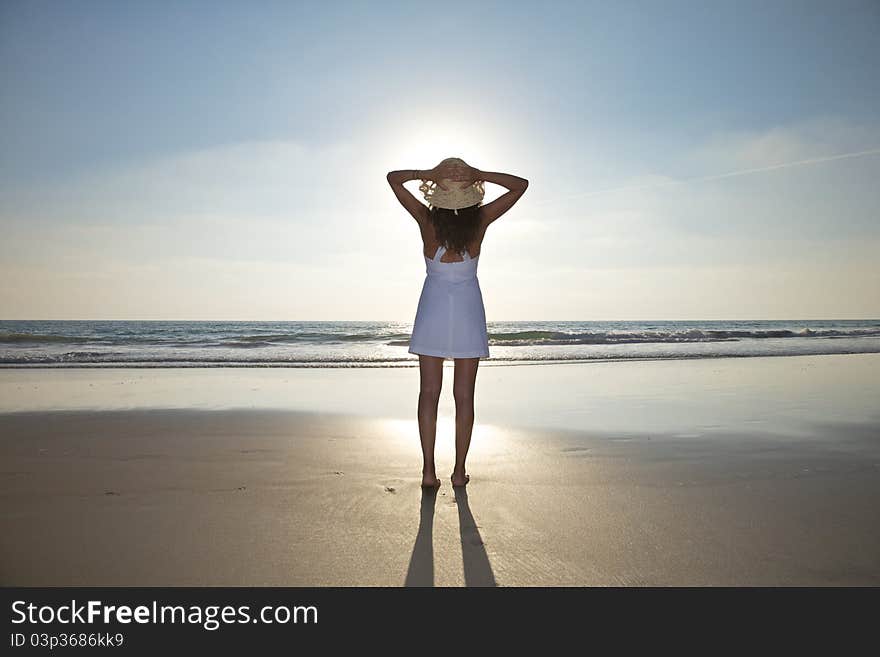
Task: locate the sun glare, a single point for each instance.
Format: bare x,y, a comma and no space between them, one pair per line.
485,438
423,142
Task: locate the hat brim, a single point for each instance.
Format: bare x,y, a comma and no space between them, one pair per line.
453,198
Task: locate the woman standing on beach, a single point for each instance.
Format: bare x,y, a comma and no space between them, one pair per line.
451,319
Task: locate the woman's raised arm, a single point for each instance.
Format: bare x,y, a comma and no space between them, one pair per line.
517,187
413,205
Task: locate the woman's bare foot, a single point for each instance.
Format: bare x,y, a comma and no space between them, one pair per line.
430,480
459,480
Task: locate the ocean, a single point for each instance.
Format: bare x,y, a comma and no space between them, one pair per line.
80,343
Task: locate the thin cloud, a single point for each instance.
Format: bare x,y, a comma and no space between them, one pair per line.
731,174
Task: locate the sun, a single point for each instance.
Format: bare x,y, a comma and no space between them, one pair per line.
422,142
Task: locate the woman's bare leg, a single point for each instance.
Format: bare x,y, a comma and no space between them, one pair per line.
463,387
431,382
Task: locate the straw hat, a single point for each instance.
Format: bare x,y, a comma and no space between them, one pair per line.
454,197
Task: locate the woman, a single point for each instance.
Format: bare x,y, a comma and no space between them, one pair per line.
451,319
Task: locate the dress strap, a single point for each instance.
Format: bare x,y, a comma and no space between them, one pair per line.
442,249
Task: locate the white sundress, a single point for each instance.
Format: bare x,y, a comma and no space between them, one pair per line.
451,318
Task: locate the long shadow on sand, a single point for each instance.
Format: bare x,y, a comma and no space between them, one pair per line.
421,563
477,569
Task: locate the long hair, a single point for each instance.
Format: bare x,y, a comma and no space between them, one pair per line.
456,231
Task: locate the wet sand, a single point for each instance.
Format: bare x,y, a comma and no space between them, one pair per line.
154,497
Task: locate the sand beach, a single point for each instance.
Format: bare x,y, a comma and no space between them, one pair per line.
728,471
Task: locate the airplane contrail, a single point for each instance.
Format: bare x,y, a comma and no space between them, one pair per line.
742,172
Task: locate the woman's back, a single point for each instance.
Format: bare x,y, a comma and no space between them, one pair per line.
455,271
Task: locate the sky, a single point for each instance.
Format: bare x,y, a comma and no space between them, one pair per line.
686,160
